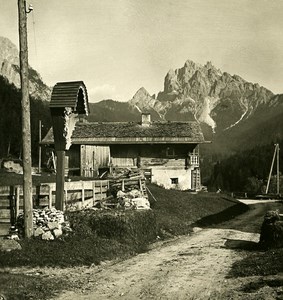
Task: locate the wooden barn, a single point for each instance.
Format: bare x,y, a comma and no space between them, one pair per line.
166,151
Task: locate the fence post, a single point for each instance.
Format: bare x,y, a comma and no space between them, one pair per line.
65,198
17,201
83,193
12,205
93,192
50,197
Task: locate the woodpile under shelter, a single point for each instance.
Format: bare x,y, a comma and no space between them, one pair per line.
166,151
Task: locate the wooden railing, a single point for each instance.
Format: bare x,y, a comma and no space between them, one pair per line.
78,195
194,160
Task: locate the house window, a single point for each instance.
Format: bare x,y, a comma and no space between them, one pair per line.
174,180
170,152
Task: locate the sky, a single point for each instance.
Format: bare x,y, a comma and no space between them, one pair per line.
118,46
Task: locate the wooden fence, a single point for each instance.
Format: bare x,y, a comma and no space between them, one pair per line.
78,195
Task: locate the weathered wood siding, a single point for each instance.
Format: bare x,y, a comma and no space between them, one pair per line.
133,155
124,155
93,158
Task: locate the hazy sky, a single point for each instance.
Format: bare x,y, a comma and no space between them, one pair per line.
118,46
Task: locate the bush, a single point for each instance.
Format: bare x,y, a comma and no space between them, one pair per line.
271,235
133,226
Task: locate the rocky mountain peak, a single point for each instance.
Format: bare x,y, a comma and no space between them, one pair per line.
9,68
191,65
142,92
142,97
8,51
213,97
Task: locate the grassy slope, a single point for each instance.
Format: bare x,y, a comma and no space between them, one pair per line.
176,213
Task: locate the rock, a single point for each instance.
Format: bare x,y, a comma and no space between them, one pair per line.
44,220
53,225
38,231
196,229
9,245
12,166
57,232
135,193
48,236
140,203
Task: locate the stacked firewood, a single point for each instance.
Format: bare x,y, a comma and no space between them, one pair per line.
48,224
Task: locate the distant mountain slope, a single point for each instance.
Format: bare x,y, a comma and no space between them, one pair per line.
9,69
110,110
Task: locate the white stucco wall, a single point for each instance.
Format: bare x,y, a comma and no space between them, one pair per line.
162,176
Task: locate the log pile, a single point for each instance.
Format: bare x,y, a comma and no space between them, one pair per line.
48,224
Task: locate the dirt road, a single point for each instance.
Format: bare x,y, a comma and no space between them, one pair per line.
189,267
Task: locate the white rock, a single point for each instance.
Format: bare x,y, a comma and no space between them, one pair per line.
57,232
47,236
39,231
53,225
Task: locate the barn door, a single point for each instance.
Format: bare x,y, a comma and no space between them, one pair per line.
93,158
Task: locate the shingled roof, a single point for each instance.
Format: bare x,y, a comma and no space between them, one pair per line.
70,94
125,133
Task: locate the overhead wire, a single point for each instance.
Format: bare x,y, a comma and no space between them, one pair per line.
34,37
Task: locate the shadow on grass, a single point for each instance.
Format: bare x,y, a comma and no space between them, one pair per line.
25,287
258,263
256,285
222,216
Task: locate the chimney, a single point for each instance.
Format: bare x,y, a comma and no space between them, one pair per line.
146,119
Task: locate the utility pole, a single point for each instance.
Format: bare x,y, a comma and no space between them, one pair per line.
278,174
26,133
39,147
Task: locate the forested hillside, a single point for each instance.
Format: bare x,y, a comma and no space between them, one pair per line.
246,171
10,121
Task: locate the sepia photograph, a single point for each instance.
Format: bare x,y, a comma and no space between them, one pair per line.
140,149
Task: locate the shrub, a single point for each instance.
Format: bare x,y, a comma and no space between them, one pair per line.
134,226
271,235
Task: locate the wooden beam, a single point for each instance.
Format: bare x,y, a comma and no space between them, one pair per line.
60,180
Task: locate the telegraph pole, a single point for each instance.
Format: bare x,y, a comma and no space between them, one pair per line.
26,133
278,173
39,147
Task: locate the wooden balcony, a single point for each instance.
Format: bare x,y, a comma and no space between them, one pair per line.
193,160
